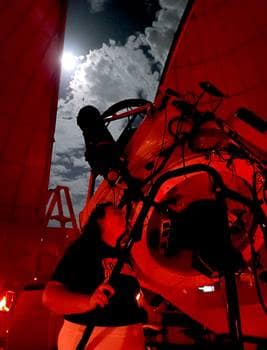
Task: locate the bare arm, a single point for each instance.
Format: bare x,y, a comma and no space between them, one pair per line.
63,301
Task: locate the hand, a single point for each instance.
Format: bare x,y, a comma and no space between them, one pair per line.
101,295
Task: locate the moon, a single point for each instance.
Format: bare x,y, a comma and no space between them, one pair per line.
68,61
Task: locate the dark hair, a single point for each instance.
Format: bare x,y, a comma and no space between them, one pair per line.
91,229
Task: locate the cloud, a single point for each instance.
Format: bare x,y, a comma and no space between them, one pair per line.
160,35
113,73
97,5
103,77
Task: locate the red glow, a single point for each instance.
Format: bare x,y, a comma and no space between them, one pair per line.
138,296
3,305
207,289
6,301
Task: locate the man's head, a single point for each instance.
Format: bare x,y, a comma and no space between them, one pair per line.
112,225
106,222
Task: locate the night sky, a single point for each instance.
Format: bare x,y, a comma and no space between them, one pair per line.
92,23
87,29
119,48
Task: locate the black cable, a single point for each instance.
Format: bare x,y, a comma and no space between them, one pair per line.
264,194
123,257
254,262
254,254
154,169
183,152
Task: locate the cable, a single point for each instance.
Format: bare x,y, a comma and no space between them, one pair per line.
254,254
154,170
254,257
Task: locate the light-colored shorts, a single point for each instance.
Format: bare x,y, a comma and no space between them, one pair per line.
129,337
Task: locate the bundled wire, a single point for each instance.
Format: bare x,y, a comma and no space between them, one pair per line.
254,254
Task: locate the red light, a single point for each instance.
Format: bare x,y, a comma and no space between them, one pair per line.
6,301
207,289
3,305
138,296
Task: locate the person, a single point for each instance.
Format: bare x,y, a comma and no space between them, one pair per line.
80,291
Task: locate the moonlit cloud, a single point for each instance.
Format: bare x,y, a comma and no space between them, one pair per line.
103,77
160,35
97,5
